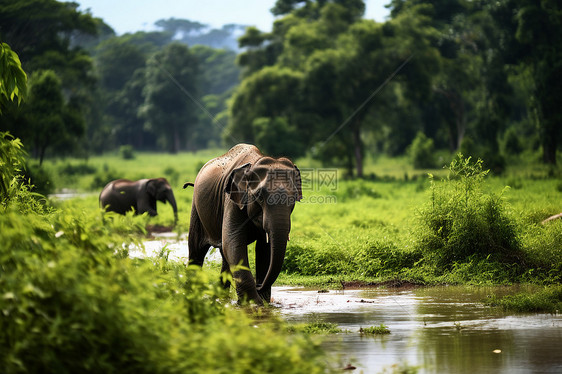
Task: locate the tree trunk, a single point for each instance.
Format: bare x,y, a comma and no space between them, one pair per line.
549,145
358,151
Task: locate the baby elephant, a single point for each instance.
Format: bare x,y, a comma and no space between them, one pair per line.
123,195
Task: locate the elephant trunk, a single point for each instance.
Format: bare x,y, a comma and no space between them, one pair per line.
278,244
172,200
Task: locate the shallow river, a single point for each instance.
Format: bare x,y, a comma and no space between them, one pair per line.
438,329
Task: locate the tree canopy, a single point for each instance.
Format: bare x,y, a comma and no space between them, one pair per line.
479,76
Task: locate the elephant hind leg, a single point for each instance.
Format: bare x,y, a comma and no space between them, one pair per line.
196,242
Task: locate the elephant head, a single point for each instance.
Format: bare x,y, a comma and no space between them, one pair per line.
268,191
159,189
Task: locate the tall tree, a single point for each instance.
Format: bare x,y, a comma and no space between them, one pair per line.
42,32
51,121
539,27
170,95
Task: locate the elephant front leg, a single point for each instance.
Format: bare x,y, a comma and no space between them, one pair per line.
263,259
236,255
235,228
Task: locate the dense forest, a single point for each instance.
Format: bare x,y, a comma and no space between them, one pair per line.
483,77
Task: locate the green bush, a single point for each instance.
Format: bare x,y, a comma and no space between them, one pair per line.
39,179
512,144
422,152
77,169
103,177
127,152
72,301
461,221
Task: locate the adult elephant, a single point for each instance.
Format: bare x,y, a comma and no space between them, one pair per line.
123,195
238,198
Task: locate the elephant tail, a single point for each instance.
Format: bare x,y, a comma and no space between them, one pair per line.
187,184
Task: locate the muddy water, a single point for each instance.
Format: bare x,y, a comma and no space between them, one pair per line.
440,330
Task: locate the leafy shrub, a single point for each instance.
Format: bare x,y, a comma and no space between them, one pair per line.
72,301
316,327
39,179
77,169
127,152
12,162
512,144
15,192
103,177
375,330
461,222
422,152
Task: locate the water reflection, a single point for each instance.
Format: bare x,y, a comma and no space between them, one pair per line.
443,330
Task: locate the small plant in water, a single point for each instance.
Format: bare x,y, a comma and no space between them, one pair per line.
316,327
375,330
164,252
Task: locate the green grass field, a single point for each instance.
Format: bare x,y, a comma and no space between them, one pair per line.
370,230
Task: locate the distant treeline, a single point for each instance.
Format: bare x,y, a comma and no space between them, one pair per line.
483,77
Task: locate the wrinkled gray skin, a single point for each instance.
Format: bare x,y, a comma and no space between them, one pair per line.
123,195
238,198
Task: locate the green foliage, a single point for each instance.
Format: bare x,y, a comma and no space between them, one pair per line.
51,121
76,169
73,301
512,143
543,244
13,80
461,221
547,300
15,191
171,84
375,330
103,177
127,152
39,179
316,327
276,137
422,152
12,163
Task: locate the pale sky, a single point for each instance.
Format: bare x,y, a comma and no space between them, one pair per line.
136,15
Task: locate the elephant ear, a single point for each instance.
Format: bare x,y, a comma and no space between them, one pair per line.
151,187
298,183
236,186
